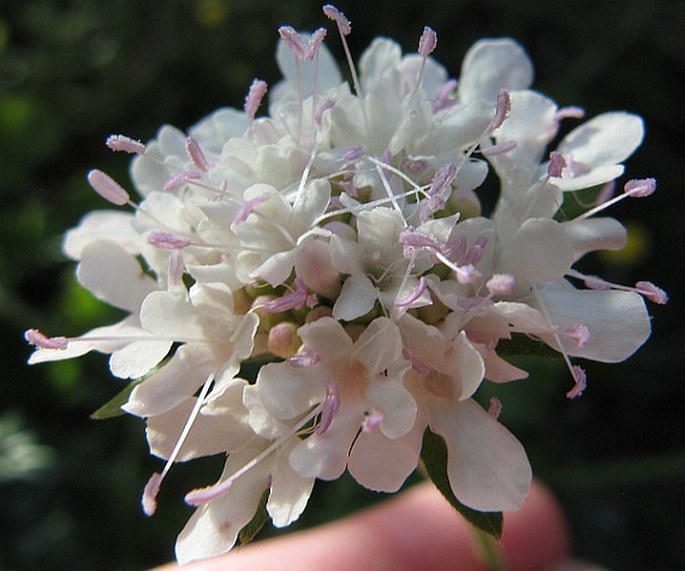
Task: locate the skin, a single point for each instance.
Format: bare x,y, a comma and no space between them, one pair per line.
415,530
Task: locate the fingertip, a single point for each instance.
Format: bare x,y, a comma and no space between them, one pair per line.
537,535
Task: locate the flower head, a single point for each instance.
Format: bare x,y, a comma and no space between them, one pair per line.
338,240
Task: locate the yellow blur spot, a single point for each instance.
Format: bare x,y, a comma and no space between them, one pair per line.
637,247
211,13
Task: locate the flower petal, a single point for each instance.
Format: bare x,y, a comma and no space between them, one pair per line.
491,65
618,321
486,465
383,464
113,275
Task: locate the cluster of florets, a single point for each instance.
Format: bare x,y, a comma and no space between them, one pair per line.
339,241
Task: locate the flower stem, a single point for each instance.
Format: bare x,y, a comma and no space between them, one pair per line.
488,550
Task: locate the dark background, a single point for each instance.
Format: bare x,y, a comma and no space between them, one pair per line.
72,72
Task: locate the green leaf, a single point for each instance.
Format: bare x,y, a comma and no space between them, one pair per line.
521,345
434,457
112,407
261,516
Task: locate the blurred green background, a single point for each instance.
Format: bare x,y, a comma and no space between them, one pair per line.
74,71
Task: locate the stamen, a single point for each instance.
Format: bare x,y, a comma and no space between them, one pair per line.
176,268
167,240
304,358
445,96
636,188
372,421
442,179
201,496
652,292
180,179
419,366
314,44
324,106
414,295
196,155
579,333
640,188
556,165
149,499
430,206
495,408
248,207
38,339
254,98
108,188
501,284
572,112
427,42
331,405
499,149
353,154
474,255
577,372
152,487
344,29
293,300
343,23
126,144
647,289
608,190
293,40
502,109
413,166
580,379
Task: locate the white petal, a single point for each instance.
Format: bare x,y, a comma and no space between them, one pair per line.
378,60
395,403
539,251
277,267
137,358
491,65
470,367
289,491
379,346
213,131
598,175
209,434
214,527
325,455
383,464
461,125
286,391
113,275
595,234
487,467
357,297
607,139
530,124
173,317
618,321
327,338
322,73
172,384
498,370
110,225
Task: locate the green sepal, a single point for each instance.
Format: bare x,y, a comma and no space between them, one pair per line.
112,408
261,516
434,458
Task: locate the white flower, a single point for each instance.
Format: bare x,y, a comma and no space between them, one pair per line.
359,386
